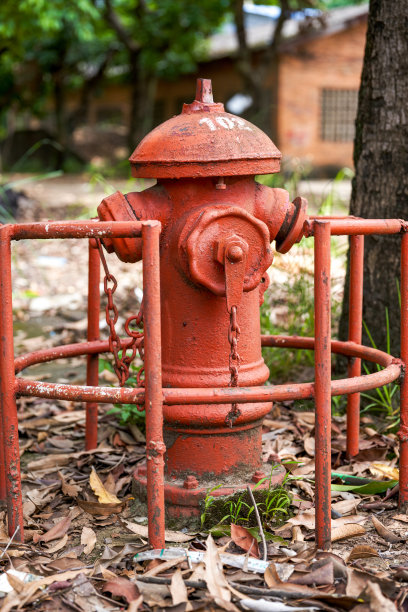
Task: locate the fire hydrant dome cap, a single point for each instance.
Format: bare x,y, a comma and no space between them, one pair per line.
204,141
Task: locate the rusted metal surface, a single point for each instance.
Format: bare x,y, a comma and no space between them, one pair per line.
347,226
322,321
221,395
403,430
3,493
122,359
215,248
204,141
355,324
155,447
204,233
75,229
179,400
92,362
184,496
9,421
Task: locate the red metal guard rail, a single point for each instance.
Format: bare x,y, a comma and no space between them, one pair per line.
10,479
322,388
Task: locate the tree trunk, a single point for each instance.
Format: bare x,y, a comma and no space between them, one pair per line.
60,117
143,89
380,186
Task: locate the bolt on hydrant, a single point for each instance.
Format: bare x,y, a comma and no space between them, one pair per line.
218,224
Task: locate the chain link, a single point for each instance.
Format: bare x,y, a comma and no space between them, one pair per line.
234,363
116,345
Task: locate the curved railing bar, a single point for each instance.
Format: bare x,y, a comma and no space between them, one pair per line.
221,395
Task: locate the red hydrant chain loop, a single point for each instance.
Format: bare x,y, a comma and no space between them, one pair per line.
234,361
123,356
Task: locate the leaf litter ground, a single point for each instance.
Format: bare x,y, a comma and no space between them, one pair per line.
84,527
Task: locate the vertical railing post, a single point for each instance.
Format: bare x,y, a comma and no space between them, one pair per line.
322,314
155,447
92,364
3,495
3,492
7,393
355,333
403,431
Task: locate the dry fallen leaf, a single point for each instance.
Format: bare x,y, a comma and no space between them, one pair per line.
297,534
101,493
214,575
306,487
56,532
30,588
362,552
58,545
385,533
122,587
349,530
309,445
178,589
401,517
65,563
98,509
307,519
273,581
321,576
162,566
377,599
88,540
15,582
71,490
383,469
110,483
245,540
170,536
346,506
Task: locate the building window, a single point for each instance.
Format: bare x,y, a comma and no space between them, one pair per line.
338,114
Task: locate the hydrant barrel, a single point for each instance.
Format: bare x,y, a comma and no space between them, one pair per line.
218,224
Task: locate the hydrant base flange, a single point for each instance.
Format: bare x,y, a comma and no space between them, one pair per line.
183,497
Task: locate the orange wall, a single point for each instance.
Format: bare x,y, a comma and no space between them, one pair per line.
328,62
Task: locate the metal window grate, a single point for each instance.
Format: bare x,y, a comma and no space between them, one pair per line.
338,114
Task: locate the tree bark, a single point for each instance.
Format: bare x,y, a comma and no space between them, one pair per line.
143,90
380,186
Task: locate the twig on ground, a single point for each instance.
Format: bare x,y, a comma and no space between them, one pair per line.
11,539
258,520
201,584
391,492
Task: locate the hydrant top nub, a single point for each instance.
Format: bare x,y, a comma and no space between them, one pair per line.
204,91
204,141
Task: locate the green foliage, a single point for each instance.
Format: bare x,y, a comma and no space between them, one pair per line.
331,4
297,294
60,44
371,488
127,413
383,400
208,502
5,214
273,505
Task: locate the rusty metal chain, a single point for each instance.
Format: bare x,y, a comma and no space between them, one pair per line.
116,345
234,362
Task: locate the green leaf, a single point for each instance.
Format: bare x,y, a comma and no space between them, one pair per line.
370,488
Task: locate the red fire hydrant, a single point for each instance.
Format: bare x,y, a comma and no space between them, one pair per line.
217,227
